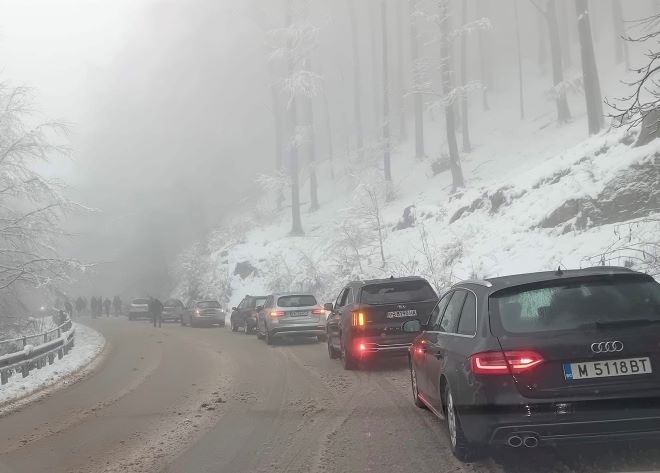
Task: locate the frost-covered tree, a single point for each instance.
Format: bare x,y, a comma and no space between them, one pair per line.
386,94
417,81
32,206
357,109
591,81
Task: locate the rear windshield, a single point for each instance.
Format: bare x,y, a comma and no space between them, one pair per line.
258,302
395,292
595,302
140,301
172,303
208,305
296,301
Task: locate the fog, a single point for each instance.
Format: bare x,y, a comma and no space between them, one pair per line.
169,103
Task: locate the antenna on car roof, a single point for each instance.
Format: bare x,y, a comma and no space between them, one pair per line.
392,277
559,272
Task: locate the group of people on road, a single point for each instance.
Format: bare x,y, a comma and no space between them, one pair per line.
98,306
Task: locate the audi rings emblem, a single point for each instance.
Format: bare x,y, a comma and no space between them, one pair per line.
607,347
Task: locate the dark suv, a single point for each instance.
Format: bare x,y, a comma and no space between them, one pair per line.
245,315
366,320
542,358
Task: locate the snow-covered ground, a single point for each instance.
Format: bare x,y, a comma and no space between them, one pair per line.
88,344
536,165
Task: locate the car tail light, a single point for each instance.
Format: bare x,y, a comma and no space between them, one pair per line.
277,313
362,347
318,311
358,319
507,362
198,312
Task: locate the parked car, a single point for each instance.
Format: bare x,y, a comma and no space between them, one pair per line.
542,358
206,312
245,315
293,314
367,318
139,309
173,310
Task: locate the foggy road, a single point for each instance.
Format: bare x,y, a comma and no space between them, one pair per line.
182,400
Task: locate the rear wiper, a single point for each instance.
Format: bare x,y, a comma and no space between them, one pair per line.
625,323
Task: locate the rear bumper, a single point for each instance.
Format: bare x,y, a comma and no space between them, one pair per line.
302,330
208,320
493,426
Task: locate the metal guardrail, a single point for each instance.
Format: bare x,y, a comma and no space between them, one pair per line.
55,342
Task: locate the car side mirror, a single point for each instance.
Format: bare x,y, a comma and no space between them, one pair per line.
412,326
233,308
328,306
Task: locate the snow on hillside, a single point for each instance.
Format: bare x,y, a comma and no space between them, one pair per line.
528,205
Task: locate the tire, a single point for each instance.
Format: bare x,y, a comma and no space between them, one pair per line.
131,317
332,352
415,389
269,339
348,362
193,324
234,328
322,338
181,321
462,449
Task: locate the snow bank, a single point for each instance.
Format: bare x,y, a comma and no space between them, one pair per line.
88,344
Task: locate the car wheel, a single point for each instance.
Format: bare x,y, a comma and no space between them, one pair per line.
269,338
332,351
234,327
193,324
347,359
181,321
460,446
415,389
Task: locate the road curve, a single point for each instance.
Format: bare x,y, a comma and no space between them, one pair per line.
183,400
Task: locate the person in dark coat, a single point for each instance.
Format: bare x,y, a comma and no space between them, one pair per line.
92,306
156,310
106,307
116,305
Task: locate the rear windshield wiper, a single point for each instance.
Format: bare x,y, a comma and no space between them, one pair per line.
624,323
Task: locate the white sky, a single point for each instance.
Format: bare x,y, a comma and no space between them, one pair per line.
52,45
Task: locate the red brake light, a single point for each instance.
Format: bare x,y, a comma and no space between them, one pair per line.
358,319
318,311
362,347
277,313
508,362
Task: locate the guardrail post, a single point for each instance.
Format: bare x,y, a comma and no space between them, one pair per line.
24,341
4,377
60,353
25,369
59,333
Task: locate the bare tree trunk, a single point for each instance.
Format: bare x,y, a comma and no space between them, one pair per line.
621,45
328,133
543,48
520,64
399,18
447,85
311,147
417,98
359,137
595,18
279,132
563,20
296,221
484,57
589,69
465,130
386,96
374,63
563,112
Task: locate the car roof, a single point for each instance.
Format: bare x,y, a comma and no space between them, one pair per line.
386,280
503,282
301,293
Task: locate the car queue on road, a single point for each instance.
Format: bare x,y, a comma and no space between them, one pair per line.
515,361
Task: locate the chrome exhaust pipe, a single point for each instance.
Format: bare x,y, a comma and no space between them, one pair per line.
514,441
531,442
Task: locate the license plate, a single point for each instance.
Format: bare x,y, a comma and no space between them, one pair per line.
399,314
607,368
300,313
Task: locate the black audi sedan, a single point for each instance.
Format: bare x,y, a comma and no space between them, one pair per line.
542,358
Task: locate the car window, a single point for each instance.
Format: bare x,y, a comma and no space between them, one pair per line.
208,305
140,301
341,300
304,300
349,296
467,324
258,301
449,321
436,314
397,292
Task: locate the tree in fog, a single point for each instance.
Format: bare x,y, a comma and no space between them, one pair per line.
357,110
521,96
446,72
589,69
465,129
311,144
549,14
386,95
32,206
642,105
621,45
417,96
485,63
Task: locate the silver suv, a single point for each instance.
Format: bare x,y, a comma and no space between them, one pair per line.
291,314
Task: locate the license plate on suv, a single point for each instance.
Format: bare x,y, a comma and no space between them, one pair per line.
299,313
607,368
400,314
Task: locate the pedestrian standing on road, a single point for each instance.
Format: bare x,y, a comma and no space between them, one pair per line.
106,307
156,309
92,306
99,306
116,305
68,308
80,305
